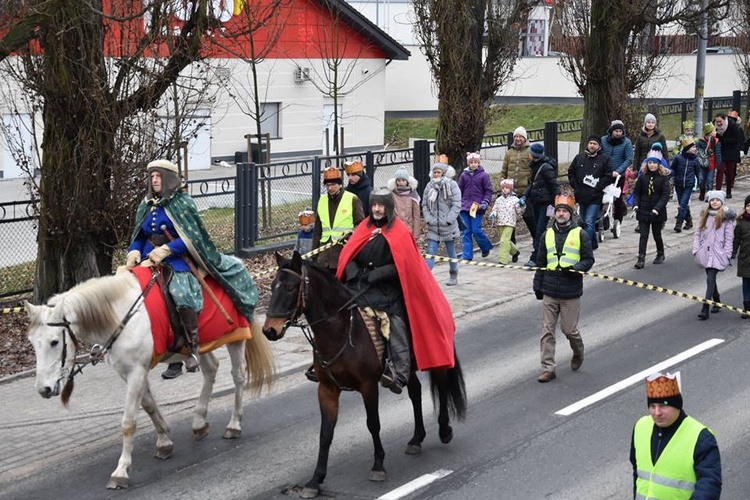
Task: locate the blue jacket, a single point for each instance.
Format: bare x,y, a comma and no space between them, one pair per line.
475,186
621,153
685,166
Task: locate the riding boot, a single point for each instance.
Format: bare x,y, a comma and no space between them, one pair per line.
190,326
399,356
453,279
729,191
640,262
688,224
678,226
716,298
746,314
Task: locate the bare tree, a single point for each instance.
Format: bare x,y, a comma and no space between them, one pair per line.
740,16
471,47
97,73
611,52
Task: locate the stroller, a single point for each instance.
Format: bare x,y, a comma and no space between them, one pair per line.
606,221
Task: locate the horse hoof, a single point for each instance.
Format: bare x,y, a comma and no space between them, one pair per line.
164,452
231,433
413,449
446,437
377,476
199,434
117,483
309,492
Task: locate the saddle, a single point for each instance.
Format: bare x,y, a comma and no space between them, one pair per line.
377,326
178,341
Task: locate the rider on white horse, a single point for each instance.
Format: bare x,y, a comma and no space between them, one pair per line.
170,232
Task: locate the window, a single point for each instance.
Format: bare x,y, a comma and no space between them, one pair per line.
269,119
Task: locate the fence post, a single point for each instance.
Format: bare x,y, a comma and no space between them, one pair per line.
316,174
245,207
683,117
422,167
710,108
737,101
370,166
550,139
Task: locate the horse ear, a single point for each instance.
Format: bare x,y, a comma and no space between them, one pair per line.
31,309
280,260
296,260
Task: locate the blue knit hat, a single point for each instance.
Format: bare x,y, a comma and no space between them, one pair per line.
537,150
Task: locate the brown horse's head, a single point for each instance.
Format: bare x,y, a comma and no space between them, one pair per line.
287,300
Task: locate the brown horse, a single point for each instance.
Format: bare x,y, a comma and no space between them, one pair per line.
346,359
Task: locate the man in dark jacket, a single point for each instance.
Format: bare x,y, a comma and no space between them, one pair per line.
359,183
564,249
589,173
673,455
730,136
540,193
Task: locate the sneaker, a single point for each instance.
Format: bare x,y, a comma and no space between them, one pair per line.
514,257
530,263
174,370
546,377
485,253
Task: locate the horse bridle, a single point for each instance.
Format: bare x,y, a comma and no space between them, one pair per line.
292,317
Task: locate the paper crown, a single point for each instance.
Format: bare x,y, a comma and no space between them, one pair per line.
441,159
566,200
663,386
306,217
353,167
332,174
686,142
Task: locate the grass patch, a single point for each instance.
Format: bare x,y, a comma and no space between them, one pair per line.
14,279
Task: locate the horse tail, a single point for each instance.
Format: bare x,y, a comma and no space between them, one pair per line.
451,383
259,364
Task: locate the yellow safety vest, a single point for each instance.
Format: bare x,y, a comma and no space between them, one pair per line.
672,477
343,219
571,249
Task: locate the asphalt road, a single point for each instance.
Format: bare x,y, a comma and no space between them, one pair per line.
513,444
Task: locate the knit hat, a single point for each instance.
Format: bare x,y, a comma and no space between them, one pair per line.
332,175
657,145
536,150
354,167
306,217
664,389
441,163
747,200
507,183
170,177
649,118
616,125
654,159
688,124
566,201
165,164
520,131
716,195
596,138
401,173
708,128
472,156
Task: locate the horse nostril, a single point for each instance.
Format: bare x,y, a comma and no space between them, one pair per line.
270,333
46,392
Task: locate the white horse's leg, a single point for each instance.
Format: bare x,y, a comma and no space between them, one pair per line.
137,383
164,445
237,355
209,366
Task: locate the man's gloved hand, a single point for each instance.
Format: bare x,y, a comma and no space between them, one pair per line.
635,209
382,273
159,253
539,295
132,259
522,201
491,216
483,206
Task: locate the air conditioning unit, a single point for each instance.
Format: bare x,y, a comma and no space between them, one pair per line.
301,75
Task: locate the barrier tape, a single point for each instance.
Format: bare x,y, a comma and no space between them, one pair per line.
613,279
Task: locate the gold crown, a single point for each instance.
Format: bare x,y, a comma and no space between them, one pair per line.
441,159
331,174
661,386
352,167
687,142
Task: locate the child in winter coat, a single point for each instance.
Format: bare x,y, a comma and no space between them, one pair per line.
709,149
685,167
741,250
713,245
476,195
441,204
406,199
305,233
650,198
504,214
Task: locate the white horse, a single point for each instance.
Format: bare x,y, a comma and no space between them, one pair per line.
95,309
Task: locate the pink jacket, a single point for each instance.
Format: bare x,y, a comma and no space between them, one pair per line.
713,247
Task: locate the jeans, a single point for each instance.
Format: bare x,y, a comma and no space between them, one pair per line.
712,291
745,289
683,197
473,228
540,216
589,212
643,241
706,179
450,249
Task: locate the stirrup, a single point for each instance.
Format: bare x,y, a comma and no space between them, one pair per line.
191,364
310,374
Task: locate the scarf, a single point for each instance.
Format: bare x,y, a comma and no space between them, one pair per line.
438,186
746,216
712,212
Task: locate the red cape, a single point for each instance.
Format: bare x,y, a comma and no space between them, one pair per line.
213,329
430,316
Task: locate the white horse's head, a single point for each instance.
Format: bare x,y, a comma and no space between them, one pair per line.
54,346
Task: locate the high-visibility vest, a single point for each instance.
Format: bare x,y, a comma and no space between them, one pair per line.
672,477
343,219
571,249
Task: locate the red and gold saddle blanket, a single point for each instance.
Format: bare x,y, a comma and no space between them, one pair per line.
213,329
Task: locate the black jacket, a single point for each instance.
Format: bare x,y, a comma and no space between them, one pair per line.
362,189
589,175
562,284
543,185
648,196
731,142
644,143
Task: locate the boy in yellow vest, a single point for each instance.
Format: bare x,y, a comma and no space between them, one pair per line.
563,249
673,455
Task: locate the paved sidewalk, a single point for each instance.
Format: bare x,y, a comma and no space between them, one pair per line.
34,431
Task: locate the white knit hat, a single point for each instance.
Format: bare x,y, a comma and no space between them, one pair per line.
520,131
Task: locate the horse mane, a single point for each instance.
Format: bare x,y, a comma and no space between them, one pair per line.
329,278
92,302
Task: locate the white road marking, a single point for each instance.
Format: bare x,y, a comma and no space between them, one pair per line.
414,485
638,377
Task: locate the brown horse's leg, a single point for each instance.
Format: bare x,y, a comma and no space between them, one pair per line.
328,398
414,446
370,397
